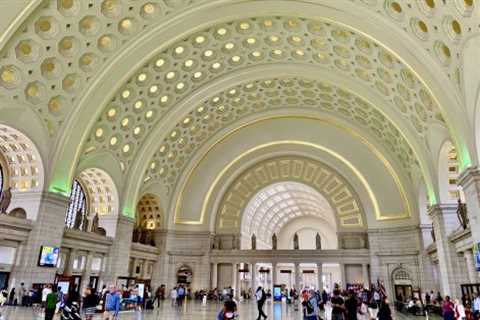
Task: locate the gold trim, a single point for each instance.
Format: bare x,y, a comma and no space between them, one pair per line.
377,153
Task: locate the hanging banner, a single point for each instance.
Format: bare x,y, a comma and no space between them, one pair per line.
476,255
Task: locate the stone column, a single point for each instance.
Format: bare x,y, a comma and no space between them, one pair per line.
469,180
160,267
343,276
234,276
469,261
254,277
444,220
214,279
366,279
274,274
87,271
47,231
238,280
320,276
120,250
297,277
69,262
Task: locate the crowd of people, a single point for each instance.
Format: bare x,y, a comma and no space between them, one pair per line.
51,299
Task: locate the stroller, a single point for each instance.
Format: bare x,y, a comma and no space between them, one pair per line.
71,312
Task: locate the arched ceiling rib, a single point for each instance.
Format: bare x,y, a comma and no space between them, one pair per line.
237,102
205,55
275,205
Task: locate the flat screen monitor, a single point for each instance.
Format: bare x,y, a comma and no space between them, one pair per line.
48,256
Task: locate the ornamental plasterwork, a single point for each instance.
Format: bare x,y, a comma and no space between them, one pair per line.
237,102
194,61
440,27
63,44
338,192
24,165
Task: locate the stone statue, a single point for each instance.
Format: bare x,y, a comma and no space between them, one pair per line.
216,243
254,242
274,242
141,235
462,214
5,199
432,233
295,241
148,237
318,241
78,220
135,235
95,222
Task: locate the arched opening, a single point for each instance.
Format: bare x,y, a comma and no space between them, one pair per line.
76,216
21,169
184,276
403,285
94,195
149,218
449,170
149,213
284,209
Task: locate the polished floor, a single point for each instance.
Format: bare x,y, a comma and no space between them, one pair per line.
190,311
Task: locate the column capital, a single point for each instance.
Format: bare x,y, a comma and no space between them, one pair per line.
469,176
442,208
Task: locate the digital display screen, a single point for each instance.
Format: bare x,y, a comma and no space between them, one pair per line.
48,256
277,293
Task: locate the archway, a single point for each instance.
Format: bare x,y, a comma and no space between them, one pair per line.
22,168
149,212
94,192
185,276
448,173
277,210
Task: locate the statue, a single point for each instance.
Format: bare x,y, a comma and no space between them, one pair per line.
432,233
254,242
95,222
274,242
462,214
148,237
135,235
295,241
78,220
141,235
318,241
5,199
216,242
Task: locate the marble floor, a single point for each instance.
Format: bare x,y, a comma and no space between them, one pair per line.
190,311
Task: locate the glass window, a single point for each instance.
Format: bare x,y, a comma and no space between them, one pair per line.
77,204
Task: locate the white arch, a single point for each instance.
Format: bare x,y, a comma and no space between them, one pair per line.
22,168
102,198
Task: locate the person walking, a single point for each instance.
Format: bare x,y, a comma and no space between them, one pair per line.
310,306
476,306
260,297
384,311
338,305
112,304
448,309
90,302
459,310
351,306
173,296
50,304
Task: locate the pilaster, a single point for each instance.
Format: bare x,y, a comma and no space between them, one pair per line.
469,180
47,230
444,221
119,256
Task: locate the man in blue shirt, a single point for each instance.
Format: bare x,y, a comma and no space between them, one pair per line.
112,304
